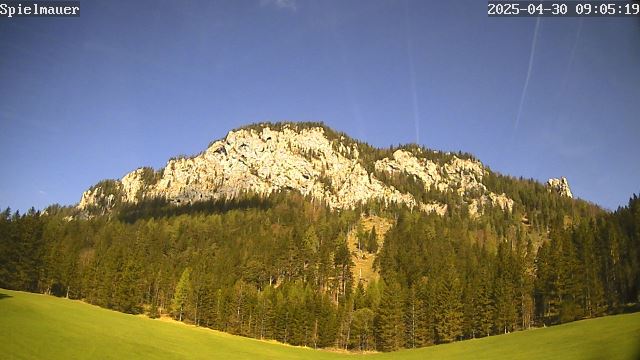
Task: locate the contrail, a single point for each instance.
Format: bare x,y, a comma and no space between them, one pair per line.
412,77
526,81
571,57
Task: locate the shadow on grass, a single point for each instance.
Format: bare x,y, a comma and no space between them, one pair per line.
4,296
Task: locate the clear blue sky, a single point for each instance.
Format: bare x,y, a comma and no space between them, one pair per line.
132,83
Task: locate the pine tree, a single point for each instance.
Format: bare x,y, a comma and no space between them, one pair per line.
389,324
181,294
359,297
482,308
372,241
343,265
505,297
128,297
424,334
448,315
362,329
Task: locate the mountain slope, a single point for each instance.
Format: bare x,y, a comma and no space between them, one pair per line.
310,159
269,233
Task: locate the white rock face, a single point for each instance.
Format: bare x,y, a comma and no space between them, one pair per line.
266,161
96,197
462,176
493,199
561,186
131,184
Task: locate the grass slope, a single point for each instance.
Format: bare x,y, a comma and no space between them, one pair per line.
39,326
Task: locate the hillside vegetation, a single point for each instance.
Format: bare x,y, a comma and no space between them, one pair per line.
45,327
280,268
289,267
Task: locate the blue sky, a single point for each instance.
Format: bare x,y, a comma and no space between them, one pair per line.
132,83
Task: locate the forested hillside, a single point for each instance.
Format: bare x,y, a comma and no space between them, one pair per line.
278,267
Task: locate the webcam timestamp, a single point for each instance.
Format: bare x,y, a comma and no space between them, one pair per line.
561,8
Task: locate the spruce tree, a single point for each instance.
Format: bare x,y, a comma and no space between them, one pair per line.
424,334
362,329
448,315
181,294
389,324
372,241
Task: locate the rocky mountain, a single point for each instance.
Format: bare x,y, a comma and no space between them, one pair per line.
327,241
560,186
313,160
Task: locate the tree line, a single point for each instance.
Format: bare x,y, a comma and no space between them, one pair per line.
280,268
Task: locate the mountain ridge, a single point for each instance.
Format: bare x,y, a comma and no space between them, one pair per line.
260,256
310,158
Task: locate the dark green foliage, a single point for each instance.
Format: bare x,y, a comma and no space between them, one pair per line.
448,313
540,208
181,294
479,301
159,208
22,256
108,196
362,329
403,182
372,241
150,176
280,268
389,324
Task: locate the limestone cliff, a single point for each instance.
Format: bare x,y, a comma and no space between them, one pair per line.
560,186
312,160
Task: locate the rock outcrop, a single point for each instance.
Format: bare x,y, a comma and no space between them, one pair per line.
560,186
267,159
462,176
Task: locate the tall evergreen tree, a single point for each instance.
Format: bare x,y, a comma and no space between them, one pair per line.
180,296
448,315
389,324
362,329
372,241
423,308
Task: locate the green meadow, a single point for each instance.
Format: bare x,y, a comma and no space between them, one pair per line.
34,326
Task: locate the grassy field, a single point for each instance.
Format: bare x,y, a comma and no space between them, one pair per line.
45,327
